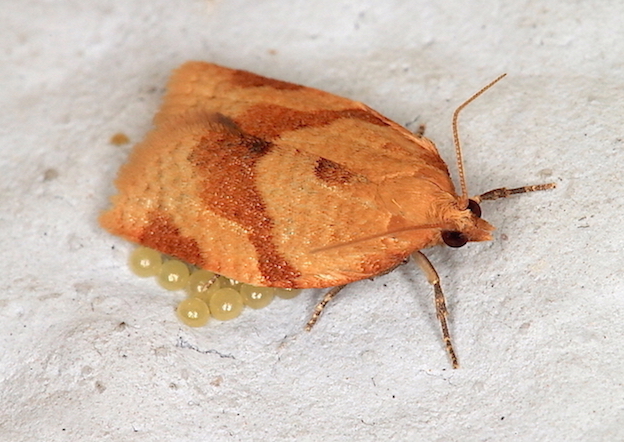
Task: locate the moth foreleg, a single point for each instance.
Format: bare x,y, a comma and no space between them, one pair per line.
440,303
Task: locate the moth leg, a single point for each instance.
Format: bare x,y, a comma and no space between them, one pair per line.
420,131
334,291
503,192
321,305
206,285
440,303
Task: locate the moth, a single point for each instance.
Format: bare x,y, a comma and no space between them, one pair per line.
280,185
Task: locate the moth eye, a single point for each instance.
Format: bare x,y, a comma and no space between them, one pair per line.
454,239
475,208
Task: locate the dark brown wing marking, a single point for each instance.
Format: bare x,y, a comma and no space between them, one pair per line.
332,173
162,234
247,79
268,121
226,166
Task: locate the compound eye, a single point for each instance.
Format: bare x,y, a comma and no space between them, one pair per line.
475,208
454,239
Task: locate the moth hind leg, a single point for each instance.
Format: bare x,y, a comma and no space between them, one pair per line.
334,291
321,306
440,302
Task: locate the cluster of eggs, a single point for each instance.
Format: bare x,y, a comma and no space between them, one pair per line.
208,294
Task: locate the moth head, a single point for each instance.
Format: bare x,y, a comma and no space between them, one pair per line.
469,226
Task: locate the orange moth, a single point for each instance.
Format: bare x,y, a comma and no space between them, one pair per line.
281,185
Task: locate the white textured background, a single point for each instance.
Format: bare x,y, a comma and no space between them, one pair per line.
90,352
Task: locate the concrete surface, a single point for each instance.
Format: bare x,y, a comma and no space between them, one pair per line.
90,352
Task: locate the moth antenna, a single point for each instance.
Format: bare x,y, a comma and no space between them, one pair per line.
503,192
380,235
458,151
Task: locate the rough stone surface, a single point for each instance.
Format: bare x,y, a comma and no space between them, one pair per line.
91,352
